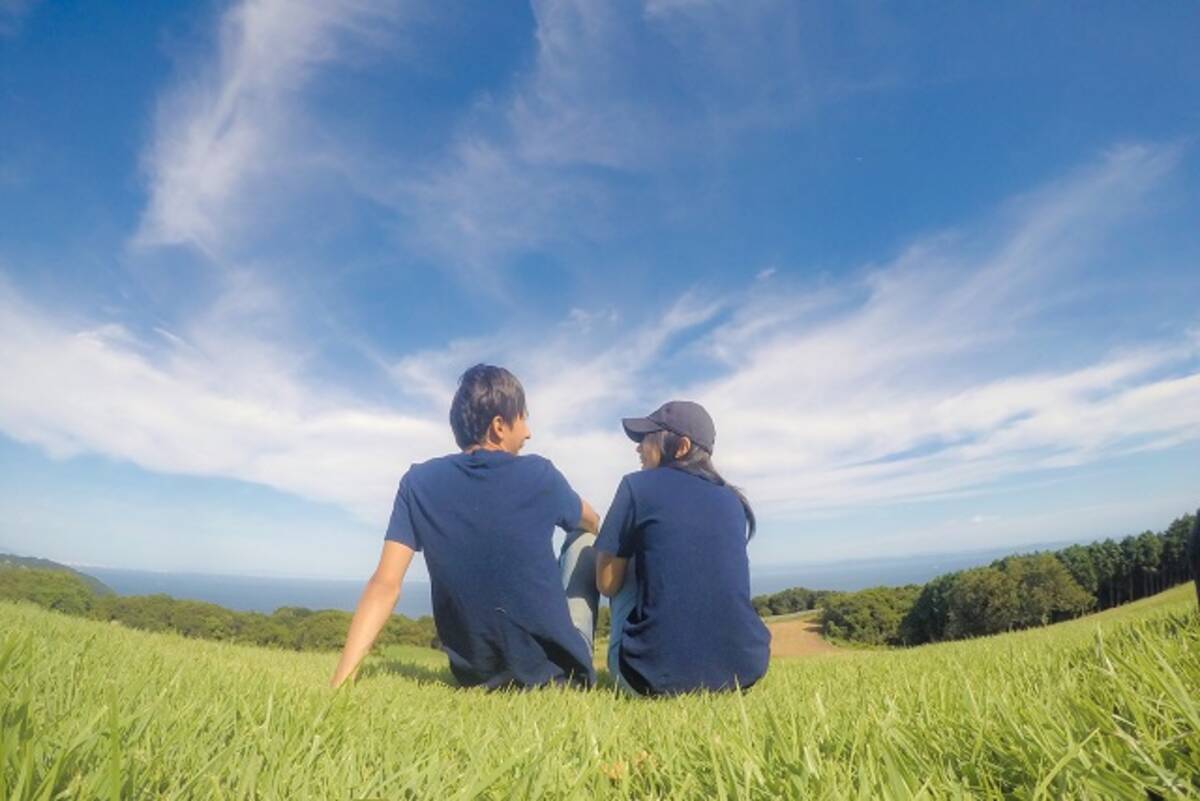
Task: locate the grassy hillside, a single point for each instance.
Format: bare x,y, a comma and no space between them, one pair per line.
1101,707
34,563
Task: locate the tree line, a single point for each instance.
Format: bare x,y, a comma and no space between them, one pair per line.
786,602
1012,593
293,628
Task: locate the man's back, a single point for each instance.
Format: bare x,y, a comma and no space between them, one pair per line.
1195,548
485,521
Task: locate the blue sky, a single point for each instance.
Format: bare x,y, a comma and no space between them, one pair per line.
933,271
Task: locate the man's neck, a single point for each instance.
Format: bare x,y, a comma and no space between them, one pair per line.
485,446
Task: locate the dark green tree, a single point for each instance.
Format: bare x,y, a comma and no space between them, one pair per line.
1128,568
870,616
982,601
929,616
322,631
1175,550
1079,560
786,602
1149,555
1107,558
1046,592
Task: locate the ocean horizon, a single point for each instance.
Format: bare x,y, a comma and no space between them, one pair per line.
267,593
256,593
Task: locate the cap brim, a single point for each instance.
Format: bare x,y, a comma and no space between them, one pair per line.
638,427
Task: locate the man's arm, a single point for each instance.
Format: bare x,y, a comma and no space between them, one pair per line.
589,521
374,608
610,573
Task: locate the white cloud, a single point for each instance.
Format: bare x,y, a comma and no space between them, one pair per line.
239,126
578,381
905,394
927,378
213,402
924,378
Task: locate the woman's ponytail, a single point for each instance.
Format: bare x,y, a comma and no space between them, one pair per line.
698,462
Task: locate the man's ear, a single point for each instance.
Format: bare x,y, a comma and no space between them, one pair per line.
496,429
685,445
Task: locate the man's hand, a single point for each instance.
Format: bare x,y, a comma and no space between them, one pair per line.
374,608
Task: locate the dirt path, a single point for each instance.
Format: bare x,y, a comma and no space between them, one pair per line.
799,636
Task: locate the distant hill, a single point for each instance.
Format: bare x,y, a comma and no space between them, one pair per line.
97,586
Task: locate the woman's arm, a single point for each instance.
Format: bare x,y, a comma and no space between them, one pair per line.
374,608
610,573
589,521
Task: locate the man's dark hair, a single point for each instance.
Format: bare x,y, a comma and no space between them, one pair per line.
484,391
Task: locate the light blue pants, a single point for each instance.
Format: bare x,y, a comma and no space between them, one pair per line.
622,604
577,563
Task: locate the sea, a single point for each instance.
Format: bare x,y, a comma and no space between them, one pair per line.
268,593
256,593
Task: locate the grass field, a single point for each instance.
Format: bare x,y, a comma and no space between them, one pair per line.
1102,707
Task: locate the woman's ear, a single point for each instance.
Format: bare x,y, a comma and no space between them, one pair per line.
685,445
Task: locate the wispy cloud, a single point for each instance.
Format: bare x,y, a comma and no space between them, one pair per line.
562,157
237,124
938,380
618,95
13,14
937,373
931,375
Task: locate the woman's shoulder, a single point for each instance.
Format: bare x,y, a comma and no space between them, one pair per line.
670,480
647,480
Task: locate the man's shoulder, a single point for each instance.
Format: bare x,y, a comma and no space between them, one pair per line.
430,466
535,461
537,468
526,464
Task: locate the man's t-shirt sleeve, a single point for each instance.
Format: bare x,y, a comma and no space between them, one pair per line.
620,524
400,528
568,508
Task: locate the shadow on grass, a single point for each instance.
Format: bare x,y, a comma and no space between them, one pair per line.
419,673
423,674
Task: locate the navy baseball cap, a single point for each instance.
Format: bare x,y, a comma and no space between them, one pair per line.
683,418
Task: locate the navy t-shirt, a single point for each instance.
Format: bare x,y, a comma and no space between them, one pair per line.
485,521
694,627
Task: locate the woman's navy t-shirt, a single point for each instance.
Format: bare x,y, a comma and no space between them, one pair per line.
694,627
485,521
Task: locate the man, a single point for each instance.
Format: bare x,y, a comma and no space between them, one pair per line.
484,518
1196,554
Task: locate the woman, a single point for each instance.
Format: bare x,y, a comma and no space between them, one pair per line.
672,556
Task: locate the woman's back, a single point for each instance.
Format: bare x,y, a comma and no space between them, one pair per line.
693,627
